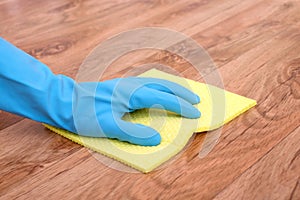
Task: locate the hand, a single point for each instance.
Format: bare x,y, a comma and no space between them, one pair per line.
99,107
29,88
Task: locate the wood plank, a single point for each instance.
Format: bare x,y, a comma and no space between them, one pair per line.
8,119
244,140
275,176
255,44
254,40
236,38
74,41
49,48
225,160
28,148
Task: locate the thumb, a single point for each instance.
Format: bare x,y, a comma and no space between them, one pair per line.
137,134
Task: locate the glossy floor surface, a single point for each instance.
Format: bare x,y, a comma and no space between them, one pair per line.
254,43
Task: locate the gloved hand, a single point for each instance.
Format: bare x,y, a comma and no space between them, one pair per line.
28,88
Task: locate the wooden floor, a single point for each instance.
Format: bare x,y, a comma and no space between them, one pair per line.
256,47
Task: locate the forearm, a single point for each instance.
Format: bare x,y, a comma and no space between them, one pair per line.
29,88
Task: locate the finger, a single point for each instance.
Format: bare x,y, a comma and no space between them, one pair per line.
150,98
172,88
137,134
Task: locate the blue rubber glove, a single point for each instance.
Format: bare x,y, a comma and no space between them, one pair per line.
29,88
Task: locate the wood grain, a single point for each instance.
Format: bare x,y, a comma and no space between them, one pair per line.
278,173
255,45
7,119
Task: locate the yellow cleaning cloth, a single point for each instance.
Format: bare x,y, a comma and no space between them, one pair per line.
217,107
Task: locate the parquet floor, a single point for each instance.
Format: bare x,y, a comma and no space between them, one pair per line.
254,43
